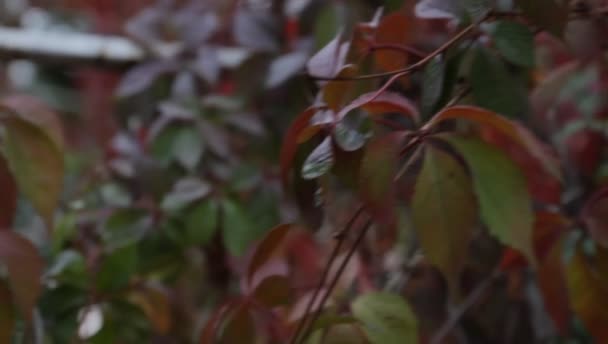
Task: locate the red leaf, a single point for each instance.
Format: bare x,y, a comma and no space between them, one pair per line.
240,327
209,334
548,228
393,29
273,291
268,248
289,146
595,216
383,103
378,169
8,197
25,268
515,131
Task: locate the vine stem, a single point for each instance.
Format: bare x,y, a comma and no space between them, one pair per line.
416,66
336,278
341,238
459,312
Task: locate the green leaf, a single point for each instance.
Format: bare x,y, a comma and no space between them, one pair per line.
117,268
185,192
37,164
25,267
352,131
432,84
551,15
237,228
320,160
444,212
182,144
496,89
125,227
202,222
387,318
504,201
515,42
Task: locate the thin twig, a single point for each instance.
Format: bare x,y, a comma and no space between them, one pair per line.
407,49
459,312
341,238
336,278
416,66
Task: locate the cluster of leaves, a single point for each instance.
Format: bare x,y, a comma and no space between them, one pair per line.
448,181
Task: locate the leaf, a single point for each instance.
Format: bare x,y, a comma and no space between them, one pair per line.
495,88
156,306
504,202
515,42
438,9
255,30
273,291
183,144
289,146
125,227
337,92
238,228
595,216
268,248
8,197
378,168
239,328
207,64
36,112
588,294
29,150
444,213
477,8
387,318
328,61
184,192
117,268
7,314
202,222
320,160
141,77
515,131
377,104
551,15
393,29
284,67
25,267
352,131
432,84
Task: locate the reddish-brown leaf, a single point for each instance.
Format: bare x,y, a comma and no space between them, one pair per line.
35,112
240,327
270,247
589,293
513,130
210,332
337,92
8,196
25,268
393,29
289,146
273,291
378,169
155,305
595,216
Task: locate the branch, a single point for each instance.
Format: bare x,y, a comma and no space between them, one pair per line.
86,48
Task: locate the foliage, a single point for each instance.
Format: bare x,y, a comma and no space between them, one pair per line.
438,167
